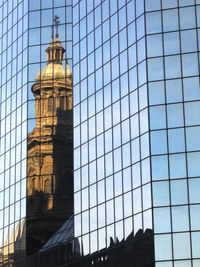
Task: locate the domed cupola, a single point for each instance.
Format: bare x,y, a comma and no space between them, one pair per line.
53,74
54,68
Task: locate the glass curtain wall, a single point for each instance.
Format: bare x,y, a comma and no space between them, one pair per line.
13,128
25,33
111,129
136,124
174,111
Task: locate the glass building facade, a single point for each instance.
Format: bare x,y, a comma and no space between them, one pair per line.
13,127
136,125
136,120
25,34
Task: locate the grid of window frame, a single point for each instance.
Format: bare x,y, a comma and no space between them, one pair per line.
13,125
171,102
172,43
25,34
105,144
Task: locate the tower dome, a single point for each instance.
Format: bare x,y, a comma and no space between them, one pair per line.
54,68
53,71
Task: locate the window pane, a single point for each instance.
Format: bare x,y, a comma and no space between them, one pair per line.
157,117
155,69
191,88
170,20
176,140
192,138
188,41
177,166
192,113
179,193
159,168
162,221
193,164
163,247
175,115
180,214
156,93
195,217
161,193
194,190
196,245
153,22
181,244
158,142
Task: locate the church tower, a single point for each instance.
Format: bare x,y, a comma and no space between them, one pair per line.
50,151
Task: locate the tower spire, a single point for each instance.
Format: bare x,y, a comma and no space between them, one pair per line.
55,51
56,23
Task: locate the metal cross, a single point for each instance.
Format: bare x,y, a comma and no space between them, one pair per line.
56,23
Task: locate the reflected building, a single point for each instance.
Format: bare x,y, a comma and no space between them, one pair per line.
14,247
65,250
36,144
136,105
50,152
49,199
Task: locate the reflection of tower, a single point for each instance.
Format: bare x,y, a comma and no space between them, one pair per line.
50,154
14,247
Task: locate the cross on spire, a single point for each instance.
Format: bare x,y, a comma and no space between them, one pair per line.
56,23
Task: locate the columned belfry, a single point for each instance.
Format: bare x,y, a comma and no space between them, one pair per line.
50,151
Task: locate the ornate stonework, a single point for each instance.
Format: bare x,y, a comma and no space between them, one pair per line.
50,151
